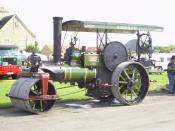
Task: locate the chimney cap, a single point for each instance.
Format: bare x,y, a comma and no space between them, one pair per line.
57,18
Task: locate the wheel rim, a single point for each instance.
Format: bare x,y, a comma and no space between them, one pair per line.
130,82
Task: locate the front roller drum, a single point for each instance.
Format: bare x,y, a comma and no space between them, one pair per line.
27,94
130,83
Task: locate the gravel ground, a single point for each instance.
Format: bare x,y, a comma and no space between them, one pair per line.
155,113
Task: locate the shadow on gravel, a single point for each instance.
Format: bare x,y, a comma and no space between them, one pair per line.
86,104
13,112
98,104
160,94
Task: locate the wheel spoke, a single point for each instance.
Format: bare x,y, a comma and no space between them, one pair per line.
141,41
123,82
132,91
121,76
126,74
34,106
35,88
128,95
41,105
133,74
33,93
138,82
146,39
125,94
123,88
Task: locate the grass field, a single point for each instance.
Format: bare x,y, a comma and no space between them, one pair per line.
4,89
6,84
160,80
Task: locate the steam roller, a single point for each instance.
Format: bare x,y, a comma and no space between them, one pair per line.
107,73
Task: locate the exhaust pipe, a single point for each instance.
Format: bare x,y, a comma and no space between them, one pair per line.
57,30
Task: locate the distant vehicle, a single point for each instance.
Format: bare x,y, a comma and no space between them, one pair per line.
155,68
159,62
10,60
162,59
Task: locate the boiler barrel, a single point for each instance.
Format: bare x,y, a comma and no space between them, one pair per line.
70,74
79,74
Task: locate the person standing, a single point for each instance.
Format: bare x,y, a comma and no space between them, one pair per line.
34,61
171,75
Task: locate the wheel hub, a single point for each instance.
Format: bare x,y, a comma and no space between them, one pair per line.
131,84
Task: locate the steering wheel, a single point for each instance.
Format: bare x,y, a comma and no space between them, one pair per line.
145,43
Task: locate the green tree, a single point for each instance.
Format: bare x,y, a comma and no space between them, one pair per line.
32,48
166,49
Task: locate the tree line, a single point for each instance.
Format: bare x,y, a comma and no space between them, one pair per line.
32,47
166,49
160,49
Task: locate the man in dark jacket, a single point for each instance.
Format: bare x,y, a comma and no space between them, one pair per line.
34,62
171,75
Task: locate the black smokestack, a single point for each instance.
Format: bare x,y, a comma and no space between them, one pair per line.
57,27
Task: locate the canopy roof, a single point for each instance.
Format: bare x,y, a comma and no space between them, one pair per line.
94,26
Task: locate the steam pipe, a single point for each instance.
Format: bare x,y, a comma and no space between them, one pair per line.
57,29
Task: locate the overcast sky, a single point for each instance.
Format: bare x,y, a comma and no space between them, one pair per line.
37,15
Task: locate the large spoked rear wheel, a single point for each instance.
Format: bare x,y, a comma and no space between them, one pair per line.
130,83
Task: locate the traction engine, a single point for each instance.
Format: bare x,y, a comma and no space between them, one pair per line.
106,74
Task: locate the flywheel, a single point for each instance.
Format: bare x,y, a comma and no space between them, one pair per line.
113,54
